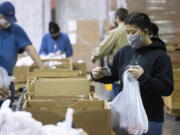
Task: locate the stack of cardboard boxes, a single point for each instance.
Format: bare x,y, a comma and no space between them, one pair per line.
50,92
87,39
172,102
20,74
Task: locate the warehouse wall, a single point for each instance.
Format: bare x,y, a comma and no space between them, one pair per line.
34,18
88,16
98,12
80,9
163,12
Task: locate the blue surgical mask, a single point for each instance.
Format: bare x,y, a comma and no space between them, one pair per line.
136,41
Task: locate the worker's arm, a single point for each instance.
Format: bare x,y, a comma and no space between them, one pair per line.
34,55
43,48
105,47
68,48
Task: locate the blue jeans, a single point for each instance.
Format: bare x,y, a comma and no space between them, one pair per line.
116,89
155,128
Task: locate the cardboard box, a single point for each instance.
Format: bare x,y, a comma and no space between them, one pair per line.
113,133
55,73
172,102
80,66
59,86
106,26
31,96
91,38
87,25
20,73
112,5
92,116
60,64
19,86
88,38
84,55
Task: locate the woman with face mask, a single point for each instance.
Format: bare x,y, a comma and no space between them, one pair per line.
150,65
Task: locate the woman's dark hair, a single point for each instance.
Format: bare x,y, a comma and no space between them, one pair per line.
139,20
154,30
121,14
154,36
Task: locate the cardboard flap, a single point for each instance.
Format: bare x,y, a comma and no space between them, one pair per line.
62,105
55,73
62,86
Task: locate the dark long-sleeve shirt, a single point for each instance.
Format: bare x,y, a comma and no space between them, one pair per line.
155,82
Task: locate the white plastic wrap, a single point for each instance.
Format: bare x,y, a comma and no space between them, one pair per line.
27,61
17,123
5,80
127,110
63,128
22,123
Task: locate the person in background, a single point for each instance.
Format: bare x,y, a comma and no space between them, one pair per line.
13,40
56,42
150,65
113,42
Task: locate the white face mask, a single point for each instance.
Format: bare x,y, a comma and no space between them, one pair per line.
4,23
135,41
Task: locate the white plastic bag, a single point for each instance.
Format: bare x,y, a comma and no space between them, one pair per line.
17,123
127,111
22,123
63,128
5,82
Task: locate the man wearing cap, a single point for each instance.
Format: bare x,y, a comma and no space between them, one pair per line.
13,40
56,42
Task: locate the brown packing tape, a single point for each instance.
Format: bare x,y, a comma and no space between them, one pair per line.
92,116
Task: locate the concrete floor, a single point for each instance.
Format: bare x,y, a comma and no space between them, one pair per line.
171,125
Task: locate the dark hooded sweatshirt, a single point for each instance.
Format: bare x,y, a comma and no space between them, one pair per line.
155,82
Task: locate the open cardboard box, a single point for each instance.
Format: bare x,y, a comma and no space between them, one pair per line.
80,66
55,73
59,86
91,115
20,74
65,64
31,96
